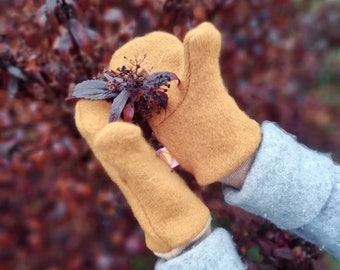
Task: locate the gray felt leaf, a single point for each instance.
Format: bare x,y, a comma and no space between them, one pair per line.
118,105
13,86
16,72
92,89
157,79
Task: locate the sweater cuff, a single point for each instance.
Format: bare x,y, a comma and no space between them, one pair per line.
175,252
287,184
217,251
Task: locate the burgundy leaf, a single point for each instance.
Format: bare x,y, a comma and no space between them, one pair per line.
80,36
128,112
283,253
118,105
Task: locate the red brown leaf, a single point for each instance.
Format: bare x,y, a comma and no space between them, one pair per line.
128,112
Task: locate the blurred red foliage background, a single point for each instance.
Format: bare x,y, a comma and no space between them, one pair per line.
59,210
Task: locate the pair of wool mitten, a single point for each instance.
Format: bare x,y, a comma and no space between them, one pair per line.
202,127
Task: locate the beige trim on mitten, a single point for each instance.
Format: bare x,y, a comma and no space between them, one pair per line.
177,251
237,177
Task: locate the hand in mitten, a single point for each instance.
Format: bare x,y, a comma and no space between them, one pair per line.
171,216
202,126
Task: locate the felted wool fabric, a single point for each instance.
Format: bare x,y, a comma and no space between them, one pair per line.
202,127
296,188
168,212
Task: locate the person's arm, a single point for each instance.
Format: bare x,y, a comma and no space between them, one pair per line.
210,137
217,251
294,187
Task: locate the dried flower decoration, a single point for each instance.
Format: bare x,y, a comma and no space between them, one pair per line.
135,94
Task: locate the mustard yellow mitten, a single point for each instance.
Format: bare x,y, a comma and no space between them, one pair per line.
171,216
202,127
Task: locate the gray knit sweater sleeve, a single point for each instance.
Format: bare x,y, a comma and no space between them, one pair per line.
296,188
217,252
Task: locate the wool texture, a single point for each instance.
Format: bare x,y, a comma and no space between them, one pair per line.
202,126
309,207
217,252
168,212
296,188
